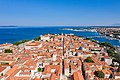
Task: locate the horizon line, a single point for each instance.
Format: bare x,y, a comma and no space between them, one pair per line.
52,25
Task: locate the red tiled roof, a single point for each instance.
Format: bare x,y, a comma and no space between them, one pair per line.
2,68
77,76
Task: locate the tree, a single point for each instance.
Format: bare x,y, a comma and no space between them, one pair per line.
80,36
118,69
110,48
112,65
8,51
107,44
111,52
88,59
99,74
20,42
23,41
117,58
94,41
40,70
37,38
87,39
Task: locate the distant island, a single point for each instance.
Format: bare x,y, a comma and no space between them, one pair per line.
115,26
9,26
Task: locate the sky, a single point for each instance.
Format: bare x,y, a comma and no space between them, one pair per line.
59,12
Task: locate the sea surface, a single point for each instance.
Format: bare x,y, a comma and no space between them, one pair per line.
13,34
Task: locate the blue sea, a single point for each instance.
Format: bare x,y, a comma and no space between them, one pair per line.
13,34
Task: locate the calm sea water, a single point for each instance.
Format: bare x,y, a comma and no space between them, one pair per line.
11,35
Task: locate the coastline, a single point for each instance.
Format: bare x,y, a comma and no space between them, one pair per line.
11,35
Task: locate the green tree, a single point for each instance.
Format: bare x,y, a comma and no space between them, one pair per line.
118,69
117,58
112,65
8,51
107,44
87,39
110,48
37,38
23,41
111,52
99,74
40,70
88,59
20,42
94,41
17,43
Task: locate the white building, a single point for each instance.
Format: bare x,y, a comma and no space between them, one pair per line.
108,60
5,46
44,38
54,57
117,76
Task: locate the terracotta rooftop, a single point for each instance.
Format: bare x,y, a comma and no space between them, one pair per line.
77,76
2,68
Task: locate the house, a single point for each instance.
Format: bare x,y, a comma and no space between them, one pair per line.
6,46
84,54
11,70
75,65
117,76
33,45
23,72
107,59
45,37
20,74
54,57
77,76
3,70
107,73
54,77
52,69
96,49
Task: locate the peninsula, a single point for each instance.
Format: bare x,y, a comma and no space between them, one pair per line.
111,32
59,57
